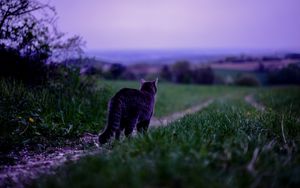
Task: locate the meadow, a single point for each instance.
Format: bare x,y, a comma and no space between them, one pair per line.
228,144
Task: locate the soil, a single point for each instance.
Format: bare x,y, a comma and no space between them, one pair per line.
250,99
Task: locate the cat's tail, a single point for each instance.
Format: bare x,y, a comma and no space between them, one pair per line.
114,120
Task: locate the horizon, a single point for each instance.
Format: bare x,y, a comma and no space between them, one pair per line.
244,51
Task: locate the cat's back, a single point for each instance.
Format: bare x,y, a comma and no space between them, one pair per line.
127,92
132,96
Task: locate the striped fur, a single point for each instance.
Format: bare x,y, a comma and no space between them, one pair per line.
130,108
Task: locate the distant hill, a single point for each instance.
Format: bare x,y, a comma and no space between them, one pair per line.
128,57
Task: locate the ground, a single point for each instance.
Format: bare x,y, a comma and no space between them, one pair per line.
243,137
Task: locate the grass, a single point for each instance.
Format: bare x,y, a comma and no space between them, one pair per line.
229,144
34,116
284,99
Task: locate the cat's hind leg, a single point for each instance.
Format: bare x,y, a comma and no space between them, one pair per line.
142,126
129,126
119,131
105,136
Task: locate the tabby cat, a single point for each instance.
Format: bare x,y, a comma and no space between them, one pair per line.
130,108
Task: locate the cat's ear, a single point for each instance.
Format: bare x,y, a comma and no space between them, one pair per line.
156,82
143,81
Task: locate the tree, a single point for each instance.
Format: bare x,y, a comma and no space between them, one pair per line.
29,40
166,73
203,75
29,27
20,28
116,70
181,72
286,75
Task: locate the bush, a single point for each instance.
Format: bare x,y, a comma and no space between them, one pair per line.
68,106
30,70
128,75
203,75
287,75
181,72
165,73
116,70
247,80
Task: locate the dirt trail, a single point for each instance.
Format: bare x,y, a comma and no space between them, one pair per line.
29,165
250,99
177,115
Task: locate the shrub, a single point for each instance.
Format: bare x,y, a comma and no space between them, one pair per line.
166,73
128,75
66,107
115,71
30,70
247,80
287,75
203,75
181,72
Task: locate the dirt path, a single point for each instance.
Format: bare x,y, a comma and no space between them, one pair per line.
29,165
177,115
250,99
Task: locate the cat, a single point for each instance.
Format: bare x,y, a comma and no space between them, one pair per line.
130,108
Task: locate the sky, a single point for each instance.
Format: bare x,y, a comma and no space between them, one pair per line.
182,24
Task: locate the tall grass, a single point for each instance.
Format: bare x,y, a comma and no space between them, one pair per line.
63,108
284,99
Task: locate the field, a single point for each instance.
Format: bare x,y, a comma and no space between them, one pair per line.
228,144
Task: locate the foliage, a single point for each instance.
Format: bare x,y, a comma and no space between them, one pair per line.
247,80
68,106
203,75
128,75
286,75
115,71
292,56
20,28
184,72
284,100
31,70
166,73
181,72
29,39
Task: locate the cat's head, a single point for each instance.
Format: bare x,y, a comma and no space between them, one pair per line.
149,86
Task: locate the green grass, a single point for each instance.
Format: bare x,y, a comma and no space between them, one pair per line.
212,148
284,99
34,116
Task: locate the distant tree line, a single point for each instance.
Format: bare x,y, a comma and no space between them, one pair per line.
286,75
184,72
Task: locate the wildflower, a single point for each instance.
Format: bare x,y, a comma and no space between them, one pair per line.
31,120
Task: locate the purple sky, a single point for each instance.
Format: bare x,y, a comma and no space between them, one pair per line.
160,24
